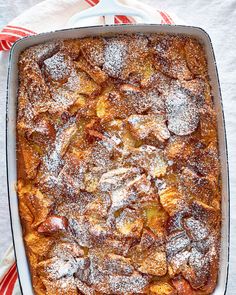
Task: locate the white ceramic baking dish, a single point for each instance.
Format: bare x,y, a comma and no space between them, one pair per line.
22,264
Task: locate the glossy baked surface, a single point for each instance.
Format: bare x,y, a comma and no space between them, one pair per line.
118,169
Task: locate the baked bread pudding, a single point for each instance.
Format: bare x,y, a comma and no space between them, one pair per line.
118,167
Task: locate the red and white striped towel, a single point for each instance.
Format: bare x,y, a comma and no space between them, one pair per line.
8,274
53,15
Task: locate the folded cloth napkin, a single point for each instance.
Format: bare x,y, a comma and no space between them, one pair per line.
46,16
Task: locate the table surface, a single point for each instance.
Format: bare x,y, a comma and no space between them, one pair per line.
218,18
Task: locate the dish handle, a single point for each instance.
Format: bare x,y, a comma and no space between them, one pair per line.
109,8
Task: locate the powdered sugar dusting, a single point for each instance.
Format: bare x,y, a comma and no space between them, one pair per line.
57,67
115,54
44,51
60,268
182,113
196,229
177,243
128,284
192,247
53,160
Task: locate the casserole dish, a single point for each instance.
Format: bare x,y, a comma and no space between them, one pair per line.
23,269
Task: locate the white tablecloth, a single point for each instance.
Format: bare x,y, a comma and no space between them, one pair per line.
218,18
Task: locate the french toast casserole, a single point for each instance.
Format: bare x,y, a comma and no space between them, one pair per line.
118,168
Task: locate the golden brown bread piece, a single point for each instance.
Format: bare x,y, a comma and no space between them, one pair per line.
30,159
118,167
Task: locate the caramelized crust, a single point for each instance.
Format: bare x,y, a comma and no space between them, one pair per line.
118,166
